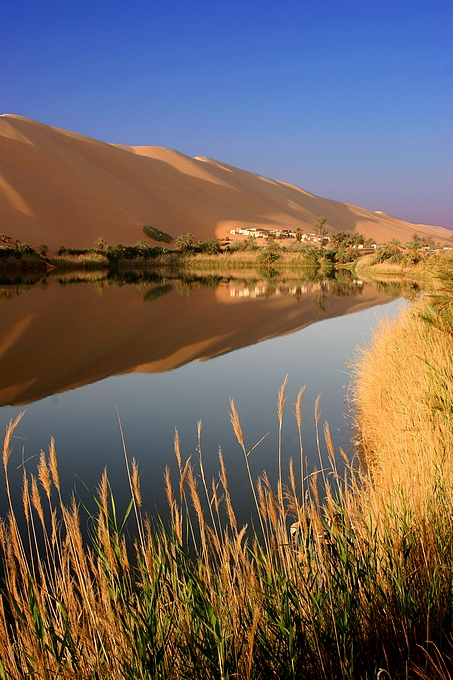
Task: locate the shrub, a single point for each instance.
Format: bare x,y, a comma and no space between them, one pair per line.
157,234
24,248
73,251
9,251
235,246
248,244
346,254
297,247
210,246
270,255
311,256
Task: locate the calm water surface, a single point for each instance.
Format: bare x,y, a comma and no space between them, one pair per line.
165,354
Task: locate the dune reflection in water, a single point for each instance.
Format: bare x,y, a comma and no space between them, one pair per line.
55,338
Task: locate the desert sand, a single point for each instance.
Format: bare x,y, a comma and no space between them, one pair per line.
61,188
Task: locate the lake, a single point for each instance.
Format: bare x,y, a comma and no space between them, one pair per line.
79,352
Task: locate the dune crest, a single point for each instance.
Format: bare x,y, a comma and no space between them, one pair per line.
61,188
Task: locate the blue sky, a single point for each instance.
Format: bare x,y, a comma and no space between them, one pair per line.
352,100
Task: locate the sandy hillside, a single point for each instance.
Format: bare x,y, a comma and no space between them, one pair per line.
60,188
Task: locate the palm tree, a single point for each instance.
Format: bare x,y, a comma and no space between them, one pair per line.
185,242
101,243
393,246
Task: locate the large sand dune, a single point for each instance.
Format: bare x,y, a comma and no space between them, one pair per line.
60,188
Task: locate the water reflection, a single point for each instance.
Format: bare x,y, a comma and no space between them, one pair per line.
68,329
129,347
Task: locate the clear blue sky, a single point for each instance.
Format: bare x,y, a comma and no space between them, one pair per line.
352,100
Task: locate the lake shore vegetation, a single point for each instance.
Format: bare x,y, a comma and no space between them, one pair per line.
264,251
21,257
341,575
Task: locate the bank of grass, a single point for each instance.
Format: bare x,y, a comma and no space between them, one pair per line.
404,400
84,260
256,259
363,588
422,271
142,256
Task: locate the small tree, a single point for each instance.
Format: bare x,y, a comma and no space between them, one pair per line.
4,238
299,234
270,255
393,246
143,247
43,249
250,243
210,246
24,248
346,253
318,225
390,251
340,238
101,243
185,242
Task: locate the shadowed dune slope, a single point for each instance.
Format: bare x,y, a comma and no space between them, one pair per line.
60,188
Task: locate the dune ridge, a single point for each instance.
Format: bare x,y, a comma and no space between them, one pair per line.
61,188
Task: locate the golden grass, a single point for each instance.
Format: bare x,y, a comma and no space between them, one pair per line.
360,587
85,260
404,400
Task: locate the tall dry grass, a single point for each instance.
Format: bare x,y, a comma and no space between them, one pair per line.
81,261
403,392
352,578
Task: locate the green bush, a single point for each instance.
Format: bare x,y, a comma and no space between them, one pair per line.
248,244
157,234
24,248
210,246
9,251
270,255
311,256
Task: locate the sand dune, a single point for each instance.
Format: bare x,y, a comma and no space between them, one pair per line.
60,188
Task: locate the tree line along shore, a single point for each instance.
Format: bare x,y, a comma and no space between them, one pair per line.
343,576
318,249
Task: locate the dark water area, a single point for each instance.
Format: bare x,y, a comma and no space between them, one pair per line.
81,352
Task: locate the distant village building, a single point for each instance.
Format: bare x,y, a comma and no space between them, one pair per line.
263,233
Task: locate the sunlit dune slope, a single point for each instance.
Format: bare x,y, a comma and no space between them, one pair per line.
60,338
60,188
